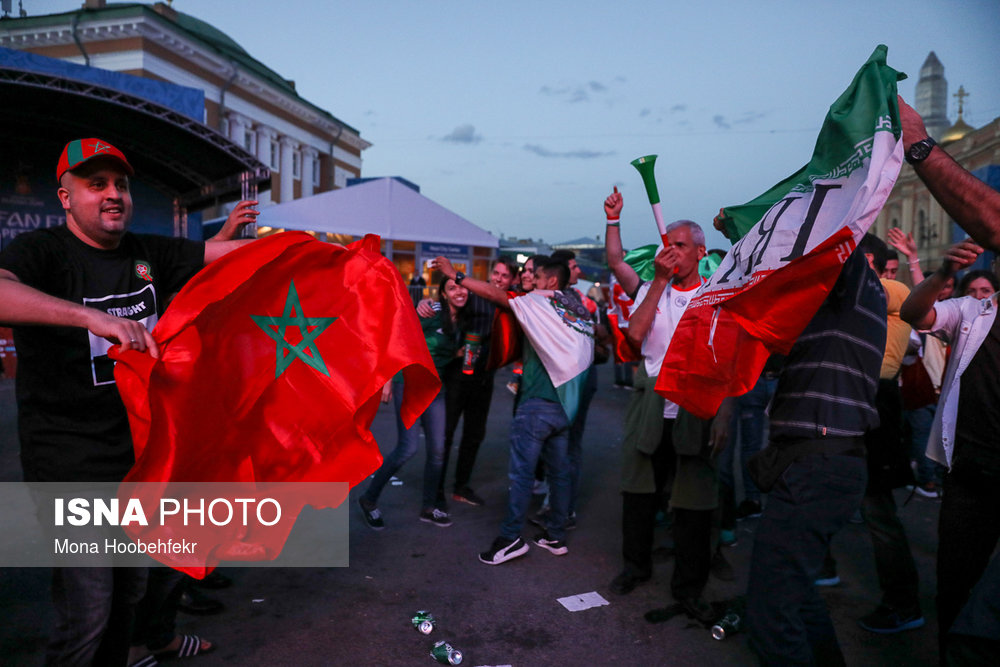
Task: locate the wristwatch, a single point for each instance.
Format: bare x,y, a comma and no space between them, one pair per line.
919,150
459,277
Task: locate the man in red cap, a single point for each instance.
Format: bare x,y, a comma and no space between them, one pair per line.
70,293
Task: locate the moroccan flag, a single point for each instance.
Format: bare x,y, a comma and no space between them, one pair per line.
272,360
563,341
795,239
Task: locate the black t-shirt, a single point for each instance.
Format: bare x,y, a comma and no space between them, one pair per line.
71,420
977,445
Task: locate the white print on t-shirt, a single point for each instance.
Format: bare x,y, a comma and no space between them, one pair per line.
139,305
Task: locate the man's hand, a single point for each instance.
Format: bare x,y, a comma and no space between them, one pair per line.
425,308
443,264
613,205
242,214
666,263
960,256
387,392
904,243
718,435
129,334
912,124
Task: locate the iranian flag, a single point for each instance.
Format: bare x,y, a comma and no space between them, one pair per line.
792,243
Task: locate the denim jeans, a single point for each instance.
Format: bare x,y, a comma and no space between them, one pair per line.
156,613
94,609
918,423
788,620
407,443
747,430
540,428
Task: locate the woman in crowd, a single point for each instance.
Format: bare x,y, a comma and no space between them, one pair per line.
444,334
979,284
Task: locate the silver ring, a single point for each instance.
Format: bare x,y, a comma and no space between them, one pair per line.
132,340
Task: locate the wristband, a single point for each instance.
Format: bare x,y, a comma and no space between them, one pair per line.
915,261
614,222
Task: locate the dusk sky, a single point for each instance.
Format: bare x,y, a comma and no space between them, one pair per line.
521,116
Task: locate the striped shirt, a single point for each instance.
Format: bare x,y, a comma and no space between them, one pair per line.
827,387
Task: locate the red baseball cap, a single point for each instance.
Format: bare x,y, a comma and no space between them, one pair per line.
79,151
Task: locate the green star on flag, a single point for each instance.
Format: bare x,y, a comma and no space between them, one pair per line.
309,327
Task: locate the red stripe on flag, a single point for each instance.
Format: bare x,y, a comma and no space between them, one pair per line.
720,348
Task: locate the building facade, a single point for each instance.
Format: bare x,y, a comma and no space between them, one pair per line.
910,206
307,148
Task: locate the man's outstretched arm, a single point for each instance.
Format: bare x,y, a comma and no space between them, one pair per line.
974,205
482,288
918,309
624,274
24,305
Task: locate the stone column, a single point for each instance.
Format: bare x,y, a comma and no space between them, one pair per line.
288,147
309,157
265,135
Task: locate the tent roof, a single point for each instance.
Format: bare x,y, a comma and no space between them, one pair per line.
382,206
179,156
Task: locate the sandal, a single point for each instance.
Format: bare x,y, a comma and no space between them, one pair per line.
190,646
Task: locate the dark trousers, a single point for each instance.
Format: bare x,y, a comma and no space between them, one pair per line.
639,509
468,396
897,573
156,614
693,544
576,437
968,531
95,610
788,620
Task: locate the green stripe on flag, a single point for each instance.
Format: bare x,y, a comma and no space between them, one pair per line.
846,130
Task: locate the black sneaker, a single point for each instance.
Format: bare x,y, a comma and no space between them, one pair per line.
540,516
626,582
543,514
196,603
373,517
437,517
558,547
748,509
504,550
464,494
887,621
698,609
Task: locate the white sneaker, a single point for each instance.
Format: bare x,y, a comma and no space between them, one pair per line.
504,550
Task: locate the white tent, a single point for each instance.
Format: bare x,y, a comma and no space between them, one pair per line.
381,206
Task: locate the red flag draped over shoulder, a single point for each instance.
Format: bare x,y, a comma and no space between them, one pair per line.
795,240
272,360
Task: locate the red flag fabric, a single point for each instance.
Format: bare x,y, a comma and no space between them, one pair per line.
619,312
271,365
719,349
505,340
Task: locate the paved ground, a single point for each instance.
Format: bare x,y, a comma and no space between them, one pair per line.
503,615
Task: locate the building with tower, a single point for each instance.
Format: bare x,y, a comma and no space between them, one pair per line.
931,97
911,206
